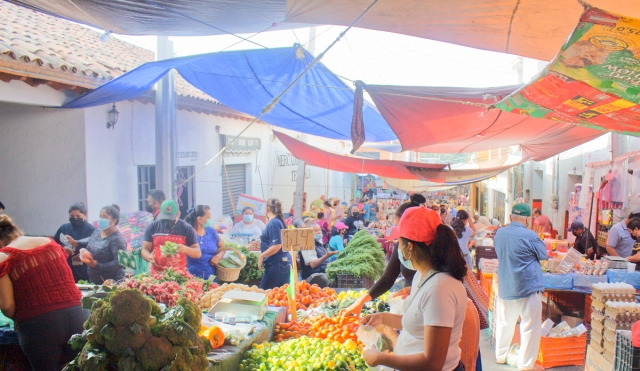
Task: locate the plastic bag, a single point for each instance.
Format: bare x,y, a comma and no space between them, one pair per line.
233,337
512,355
373,339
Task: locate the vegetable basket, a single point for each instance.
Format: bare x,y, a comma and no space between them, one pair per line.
230,274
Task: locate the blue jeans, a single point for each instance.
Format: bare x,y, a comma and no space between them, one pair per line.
276,273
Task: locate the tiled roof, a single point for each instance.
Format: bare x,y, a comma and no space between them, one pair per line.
39,46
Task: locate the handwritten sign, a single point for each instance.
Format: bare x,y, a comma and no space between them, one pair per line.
127,259
297,239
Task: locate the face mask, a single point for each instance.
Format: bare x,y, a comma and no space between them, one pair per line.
247,218
208,223
76,222
103,224
407,263
168,224
318,236
356,214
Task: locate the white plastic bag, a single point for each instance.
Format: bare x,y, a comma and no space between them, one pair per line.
396,304
373,339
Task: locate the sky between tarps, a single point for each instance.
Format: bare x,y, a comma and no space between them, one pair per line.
320,104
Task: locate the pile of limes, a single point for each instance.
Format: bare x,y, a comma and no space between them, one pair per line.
304,354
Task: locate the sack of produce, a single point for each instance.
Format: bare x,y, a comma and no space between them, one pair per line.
169,249
373,339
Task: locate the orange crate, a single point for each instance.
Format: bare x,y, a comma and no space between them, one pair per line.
562,351
486,282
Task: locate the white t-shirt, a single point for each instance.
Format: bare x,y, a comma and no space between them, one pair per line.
442,302
464,240
255,228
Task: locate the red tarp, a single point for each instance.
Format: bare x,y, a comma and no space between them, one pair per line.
437,120
434,173
333,161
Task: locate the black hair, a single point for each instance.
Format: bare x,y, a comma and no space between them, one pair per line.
193,214
458,223
417,199
327,203
444,253
335,232
79,207
275,207
633,215
633,223
157,196
113,211
537,211
248,208
320,215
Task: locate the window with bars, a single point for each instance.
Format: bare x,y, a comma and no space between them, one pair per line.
146,182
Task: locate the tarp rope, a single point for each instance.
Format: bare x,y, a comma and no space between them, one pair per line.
275,100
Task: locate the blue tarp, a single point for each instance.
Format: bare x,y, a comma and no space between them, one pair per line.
320,104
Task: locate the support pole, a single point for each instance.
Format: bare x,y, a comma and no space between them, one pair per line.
165,119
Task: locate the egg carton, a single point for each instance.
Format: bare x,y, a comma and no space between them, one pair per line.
597,315
609,345
597,305
597,339
609,356
610,335
597,326
597,348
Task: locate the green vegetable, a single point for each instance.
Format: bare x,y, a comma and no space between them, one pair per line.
127,331
169,249
363,257
230,260
250,273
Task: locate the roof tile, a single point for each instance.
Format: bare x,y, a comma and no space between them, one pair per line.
42,41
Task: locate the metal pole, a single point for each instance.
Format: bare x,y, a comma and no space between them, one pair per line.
165,118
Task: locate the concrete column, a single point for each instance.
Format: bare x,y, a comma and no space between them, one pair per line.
165,124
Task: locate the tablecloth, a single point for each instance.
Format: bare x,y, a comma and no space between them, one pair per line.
227,358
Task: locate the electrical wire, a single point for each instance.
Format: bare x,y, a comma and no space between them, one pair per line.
276,100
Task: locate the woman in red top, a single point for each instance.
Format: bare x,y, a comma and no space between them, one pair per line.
38,292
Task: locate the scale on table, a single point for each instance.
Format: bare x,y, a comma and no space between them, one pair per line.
616,262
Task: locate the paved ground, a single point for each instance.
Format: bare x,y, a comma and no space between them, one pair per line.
489,358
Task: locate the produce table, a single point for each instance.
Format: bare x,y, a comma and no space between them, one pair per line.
227,358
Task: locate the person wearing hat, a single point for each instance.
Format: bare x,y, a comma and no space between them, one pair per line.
338,238
585,242
520,285
431,327
169,228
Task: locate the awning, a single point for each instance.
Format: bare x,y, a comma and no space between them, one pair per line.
416,186
320,104
169,17
434,173
530,28
350,164
595,79
456,120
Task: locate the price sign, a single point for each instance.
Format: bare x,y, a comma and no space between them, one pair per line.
127,259
297,239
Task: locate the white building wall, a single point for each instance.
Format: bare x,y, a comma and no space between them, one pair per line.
42,165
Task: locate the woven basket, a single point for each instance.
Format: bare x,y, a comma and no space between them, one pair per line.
230,274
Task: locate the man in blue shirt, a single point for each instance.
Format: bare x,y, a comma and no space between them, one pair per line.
367,210
520,285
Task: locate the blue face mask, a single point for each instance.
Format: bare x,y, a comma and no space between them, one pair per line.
247,218
103,224
407,263
208,223
318,236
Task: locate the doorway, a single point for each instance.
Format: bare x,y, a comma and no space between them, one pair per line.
185,192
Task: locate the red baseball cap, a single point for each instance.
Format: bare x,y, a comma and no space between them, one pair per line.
419,224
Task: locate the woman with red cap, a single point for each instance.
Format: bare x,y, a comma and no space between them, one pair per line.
431,326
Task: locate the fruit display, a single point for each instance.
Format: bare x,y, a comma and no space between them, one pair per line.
254,245
304,354
309,296
169,249
168,287
363,257
341,329
128,331
210,298
250,273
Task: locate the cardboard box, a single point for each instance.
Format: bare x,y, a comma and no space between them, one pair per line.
596,362
572,321
242,304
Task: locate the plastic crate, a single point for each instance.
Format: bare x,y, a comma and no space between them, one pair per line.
347,281
568,301
556,352
486,282
627,356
